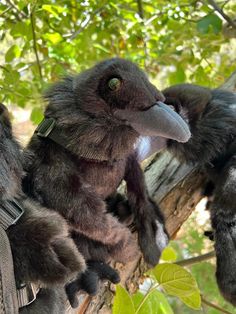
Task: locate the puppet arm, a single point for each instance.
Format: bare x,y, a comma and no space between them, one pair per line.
148,218
92,220
41,247
88,215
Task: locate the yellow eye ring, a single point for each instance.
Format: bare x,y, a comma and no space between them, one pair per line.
114,84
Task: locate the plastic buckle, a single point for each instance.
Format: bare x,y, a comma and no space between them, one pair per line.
26,294
19,211
45,127
10,213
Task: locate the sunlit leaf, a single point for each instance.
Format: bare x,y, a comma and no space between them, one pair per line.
36,115
156,302
12,53
53,9
177,281
193,300
123,303
54,38
169,254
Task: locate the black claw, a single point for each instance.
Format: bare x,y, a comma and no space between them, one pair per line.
104,271
209,234
88,282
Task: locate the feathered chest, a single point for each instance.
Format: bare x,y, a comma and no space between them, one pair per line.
104,177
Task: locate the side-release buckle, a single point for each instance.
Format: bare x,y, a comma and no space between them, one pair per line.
10,213
45,127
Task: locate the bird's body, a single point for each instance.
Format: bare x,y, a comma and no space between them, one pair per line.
99,116
42,252
211,115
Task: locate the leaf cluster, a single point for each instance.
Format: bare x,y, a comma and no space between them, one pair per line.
174,41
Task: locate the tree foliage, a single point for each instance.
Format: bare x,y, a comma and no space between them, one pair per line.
174,41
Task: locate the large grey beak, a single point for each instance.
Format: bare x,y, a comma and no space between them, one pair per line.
159,120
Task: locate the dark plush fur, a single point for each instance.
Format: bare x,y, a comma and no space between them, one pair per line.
42,251
212,119
60,178
49,301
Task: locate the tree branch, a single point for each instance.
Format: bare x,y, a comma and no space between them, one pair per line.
140,9
21,14
197,259
32,20
214,306
230,83
85,23
222,13
141,15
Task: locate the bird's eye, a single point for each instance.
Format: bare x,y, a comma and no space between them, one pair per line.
114,83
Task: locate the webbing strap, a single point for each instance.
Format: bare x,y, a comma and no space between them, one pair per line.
8,296
27,294
10,212
49,129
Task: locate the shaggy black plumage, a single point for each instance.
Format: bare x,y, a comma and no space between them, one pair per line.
211,115
98,116
42,251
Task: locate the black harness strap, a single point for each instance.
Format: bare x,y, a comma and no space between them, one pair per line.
10,213
48,129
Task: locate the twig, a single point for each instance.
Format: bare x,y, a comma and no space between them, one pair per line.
14,92
32,20
140,9
5,11
230,83
21,13
84,305
86,23
4,68
141,15
224,3
214,306
197,259
222,13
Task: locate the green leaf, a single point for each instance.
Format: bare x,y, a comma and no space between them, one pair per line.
53,9
208,21
123,303
54,38
177,281
156,302
100,47
169,254
36,115
177,77
193,300
21,29
12,53
11,77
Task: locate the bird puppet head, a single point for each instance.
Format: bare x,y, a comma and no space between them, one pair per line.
108,107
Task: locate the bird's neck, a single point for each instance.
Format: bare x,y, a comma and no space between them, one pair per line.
96,142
